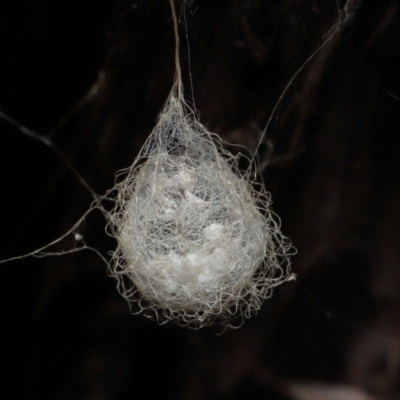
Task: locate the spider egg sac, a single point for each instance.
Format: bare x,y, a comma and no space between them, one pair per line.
193,244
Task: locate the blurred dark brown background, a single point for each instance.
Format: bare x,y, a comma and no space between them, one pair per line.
333,174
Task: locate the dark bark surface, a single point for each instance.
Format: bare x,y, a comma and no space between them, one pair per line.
332,167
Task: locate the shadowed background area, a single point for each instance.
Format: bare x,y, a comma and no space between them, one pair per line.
332,165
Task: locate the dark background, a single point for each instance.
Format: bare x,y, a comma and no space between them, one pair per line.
333,173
